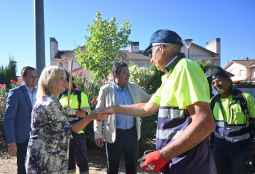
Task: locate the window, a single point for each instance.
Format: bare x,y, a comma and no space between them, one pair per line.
242,73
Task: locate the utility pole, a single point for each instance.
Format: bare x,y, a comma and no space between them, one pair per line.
188,43
39,35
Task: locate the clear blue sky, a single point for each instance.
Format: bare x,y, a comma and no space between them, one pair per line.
66,20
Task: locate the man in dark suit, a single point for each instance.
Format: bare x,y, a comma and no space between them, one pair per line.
17,116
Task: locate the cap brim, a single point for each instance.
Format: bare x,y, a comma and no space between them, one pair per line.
224,73
147,51
229,74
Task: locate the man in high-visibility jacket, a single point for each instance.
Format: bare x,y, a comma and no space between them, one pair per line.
78,100
184,117
234,114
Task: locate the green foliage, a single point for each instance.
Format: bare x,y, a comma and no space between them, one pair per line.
105,40
148,78
8,73
89,88
140,76
7,78
3,94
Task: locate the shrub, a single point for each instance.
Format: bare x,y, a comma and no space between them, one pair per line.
7,81
3,94
150,80
147,78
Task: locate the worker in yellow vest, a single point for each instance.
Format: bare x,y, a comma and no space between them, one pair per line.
75,101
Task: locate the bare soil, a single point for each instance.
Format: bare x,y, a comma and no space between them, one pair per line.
97,162
96,157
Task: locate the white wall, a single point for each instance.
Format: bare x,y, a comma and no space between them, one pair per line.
214,45
239,71
197,53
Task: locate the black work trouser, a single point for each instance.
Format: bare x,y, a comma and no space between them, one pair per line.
125,144
21,157
78,153
231,158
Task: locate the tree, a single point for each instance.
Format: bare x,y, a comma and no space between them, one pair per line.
8,73
102,45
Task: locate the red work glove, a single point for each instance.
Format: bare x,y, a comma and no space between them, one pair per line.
153,162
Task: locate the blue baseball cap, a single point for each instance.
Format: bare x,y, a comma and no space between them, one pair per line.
164,36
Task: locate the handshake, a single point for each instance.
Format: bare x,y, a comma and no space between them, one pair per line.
98,115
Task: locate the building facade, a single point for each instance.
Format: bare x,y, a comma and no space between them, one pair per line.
133,55
242,69
211,53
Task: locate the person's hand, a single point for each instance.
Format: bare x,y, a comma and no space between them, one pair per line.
96,116
99,142
107,111
81,113
88,119
101,116
153,162
12,149
94,101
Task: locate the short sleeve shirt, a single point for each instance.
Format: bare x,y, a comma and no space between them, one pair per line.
182,87
185,85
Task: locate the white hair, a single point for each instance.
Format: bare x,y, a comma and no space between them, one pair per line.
47,80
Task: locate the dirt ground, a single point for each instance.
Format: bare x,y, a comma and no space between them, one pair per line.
96,157
97,162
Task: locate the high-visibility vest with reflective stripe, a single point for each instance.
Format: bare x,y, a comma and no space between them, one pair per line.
232,124
181,87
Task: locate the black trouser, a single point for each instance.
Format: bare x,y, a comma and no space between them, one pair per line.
21,157
231,158
125,144
78,153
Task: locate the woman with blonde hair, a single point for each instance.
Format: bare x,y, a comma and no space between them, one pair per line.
49,139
